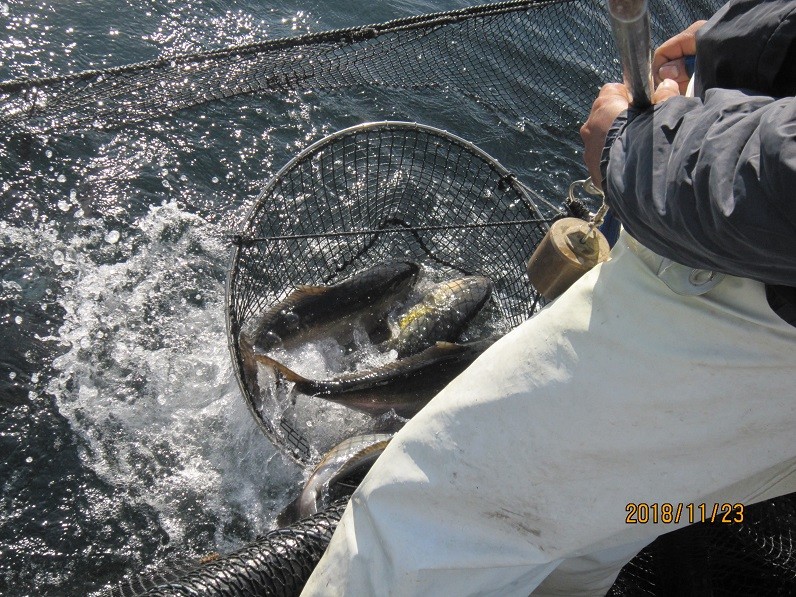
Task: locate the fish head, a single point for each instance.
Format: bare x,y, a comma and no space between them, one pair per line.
340,471
442,314
471,293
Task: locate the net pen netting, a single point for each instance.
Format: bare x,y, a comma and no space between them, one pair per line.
497,54
529,61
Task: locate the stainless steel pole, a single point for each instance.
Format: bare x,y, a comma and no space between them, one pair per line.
631,26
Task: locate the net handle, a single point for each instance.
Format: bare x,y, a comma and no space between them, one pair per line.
630,22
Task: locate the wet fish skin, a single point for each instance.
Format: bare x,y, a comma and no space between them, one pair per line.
336,475
368,294
404,385
441,314
249,365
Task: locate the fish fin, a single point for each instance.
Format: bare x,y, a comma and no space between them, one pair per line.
306,290
447,345
283,370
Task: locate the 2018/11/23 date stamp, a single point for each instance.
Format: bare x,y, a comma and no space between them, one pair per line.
668,513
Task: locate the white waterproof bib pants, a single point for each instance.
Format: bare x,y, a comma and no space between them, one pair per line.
516,477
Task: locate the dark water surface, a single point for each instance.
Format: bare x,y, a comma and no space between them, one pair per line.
124,441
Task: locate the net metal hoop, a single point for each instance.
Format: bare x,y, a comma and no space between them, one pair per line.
346,202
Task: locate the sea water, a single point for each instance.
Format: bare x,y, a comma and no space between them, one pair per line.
124,438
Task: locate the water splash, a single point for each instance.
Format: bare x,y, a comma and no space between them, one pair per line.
144,379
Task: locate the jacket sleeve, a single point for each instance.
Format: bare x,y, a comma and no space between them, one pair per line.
711,182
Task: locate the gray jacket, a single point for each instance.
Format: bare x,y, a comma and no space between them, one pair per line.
710,181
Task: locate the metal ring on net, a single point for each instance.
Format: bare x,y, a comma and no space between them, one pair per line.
370,193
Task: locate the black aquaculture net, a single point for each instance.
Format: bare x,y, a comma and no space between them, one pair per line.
756,557
407,191
536,60
277,564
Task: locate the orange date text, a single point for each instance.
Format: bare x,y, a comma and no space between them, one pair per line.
674,513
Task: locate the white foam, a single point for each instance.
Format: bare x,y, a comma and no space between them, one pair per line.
145,374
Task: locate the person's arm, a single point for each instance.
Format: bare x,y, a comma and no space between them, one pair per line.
711,183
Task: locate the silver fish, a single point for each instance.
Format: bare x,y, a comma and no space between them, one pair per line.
336,475
404,385
440,315
366,295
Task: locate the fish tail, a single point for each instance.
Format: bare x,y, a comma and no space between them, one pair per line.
283,370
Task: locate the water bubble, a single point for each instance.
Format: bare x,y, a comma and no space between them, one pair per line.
214,180
58,257
61,178
85,342
271,339
12,375
290,319
35,377
48,153
29,459
112,237
63,205
73,195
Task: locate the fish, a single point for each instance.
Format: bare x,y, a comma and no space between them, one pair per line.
404,385
337,475
248,365
440,315
366,295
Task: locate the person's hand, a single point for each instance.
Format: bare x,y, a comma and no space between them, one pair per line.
668,61
612,100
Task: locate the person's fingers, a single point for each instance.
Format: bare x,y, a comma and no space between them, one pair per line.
667,63
672,70
668,88
682,44
610,91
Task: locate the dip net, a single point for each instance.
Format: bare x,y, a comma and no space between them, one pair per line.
529,61
366,195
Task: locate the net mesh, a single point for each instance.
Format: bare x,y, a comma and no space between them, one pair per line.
535,61
277,564
372,194
499,54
